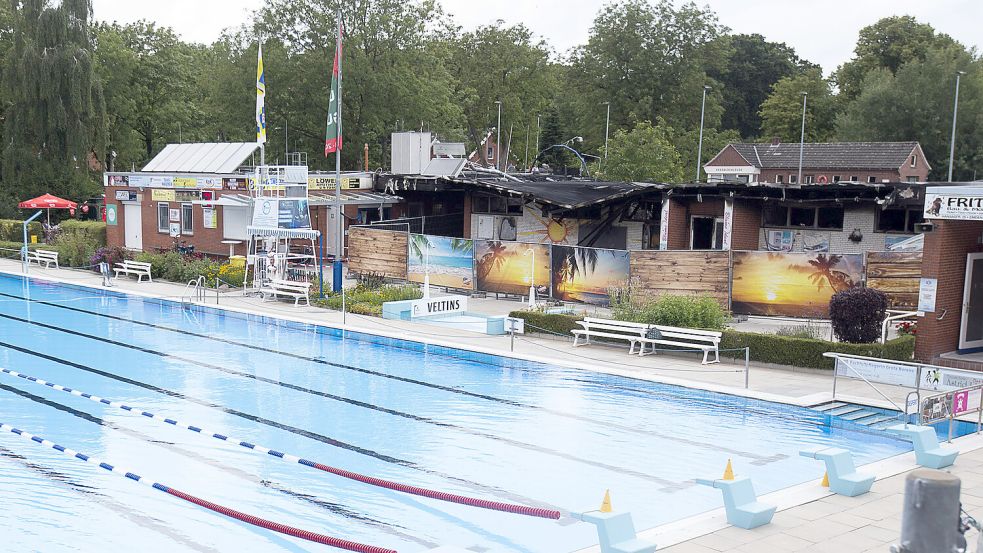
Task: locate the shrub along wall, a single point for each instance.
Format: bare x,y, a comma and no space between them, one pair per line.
765,348
12,230
94,230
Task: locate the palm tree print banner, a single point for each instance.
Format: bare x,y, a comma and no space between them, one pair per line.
791,284
508,267
449,261
586,274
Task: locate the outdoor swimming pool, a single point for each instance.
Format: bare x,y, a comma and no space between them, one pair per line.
450,420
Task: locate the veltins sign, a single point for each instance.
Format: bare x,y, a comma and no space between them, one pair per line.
444,305
947,203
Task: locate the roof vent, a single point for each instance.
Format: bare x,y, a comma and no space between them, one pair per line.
776,141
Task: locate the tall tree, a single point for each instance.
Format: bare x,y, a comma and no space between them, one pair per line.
649,61
887,44
643,154
781,112
915,103
753,66
499,63
54,126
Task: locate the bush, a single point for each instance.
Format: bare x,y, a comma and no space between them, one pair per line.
803,331
363,300
94,229
12,230
671,310
112,256
808,352
857,314
75,248
537,321
233,275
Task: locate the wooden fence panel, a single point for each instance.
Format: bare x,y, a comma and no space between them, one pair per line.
380,252
897,274
656,272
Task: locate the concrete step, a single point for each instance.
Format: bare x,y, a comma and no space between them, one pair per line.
859,414
824,407
845,410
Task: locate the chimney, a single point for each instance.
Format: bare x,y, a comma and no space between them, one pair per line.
776,141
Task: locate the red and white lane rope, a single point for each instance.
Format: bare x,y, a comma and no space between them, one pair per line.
232,513
513,508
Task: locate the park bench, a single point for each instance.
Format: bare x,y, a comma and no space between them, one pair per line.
706,340
46,257
296,290
608,328
138,268
843,476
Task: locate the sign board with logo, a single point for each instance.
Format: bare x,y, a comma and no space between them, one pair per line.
728,223
174,229
210,216
347,183
158,195
927,288
962,203
174,215
881,372
285,213
450,149
444,305
126,195
111,215
515,325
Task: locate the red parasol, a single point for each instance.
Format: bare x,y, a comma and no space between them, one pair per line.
48,202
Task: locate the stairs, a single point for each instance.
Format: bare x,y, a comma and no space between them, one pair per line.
871,417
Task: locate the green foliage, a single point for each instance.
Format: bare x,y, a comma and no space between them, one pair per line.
12,230
802,331
857,314
538,321
176,267
96,230
363,300
753,66
644,154
75,247
54,110
670,310
781,112
807,352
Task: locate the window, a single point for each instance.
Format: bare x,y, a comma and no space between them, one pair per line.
162,210
836,178
779,179
871,179
898,220
802,217
854,178
187,219
491,153
914,160
792,179
912,179
809,179
499,205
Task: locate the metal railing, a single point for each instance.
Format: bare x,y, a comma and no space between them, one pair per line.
951,405
194,290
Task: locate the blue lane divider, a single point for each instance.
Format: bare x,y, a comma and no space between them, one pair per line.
232,513
365,479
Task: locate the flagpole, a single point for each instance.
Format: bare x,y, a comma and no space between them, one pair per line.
339,223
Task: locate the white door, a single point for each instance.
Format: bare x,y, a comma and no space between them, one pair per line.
133,226
971,331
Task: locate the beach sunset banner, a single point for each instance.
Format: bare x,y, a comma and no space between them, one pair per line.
506,267
791,284
586,274
450,261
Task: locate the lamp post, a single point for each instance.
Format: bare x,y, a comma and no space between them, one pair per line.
955,111
802,137
699,149
498,138
607,127
532,277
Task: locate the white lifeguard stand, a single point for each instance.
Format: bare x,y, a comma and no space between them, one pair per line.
282,244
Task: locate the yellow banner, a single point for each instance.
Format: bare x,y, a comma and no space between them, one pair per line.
328,183
162,195
185,182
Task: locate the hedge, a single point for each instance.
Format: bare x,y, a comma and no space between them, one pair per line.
12,230
96,230
765,348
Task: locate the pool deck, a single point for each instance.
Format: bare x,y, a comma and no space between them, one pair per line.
867,523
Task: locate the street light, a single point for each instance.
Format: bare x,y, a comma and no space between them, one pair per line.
955,111
532,277
802,137
498,139
607,126
699,149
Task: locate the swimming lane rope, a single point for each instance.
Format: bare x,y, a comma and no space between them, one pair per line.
231,513
370,480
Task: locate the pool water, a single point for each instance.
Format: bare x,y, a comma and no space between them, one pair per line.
441,418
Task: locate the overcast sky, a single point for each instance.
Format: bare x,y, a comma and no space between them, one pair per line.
823,32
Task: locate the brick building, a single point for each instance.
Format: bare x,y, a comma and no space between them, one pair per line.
822,163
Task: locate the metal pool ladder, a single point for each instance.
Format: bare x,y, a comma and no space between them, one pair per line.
194,290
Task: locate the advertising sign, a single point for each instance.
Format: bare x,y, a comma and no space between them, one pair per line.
238,183
126,195
328,183
448,261
174,215
664,225
954,203
779,240
927,288
285,213
159,195
141,181
210,215
111,215
174,229
791,284
881,372
160,182
444,305
118,180
185,182
728,223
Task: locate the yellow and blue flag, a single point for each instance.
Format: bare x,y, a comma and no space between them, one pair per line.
260,99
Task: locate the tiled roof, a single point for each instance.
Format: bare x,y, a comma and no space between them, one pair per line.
828,155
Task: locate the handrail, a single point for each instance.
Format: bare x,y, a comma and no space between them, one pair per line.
862,377
918,406
197,289
897,315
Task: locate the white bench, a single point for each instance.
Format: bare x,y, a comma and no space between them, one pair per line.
608,328
706,340
138,268
44,256
640,334
289,288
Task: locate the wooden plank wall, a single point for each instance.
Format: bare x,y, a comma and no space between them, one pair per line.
375,251
897,274
682,272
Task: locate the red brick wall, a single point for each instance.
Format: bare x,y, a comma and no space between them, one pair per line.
944,258
768,175
747,225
